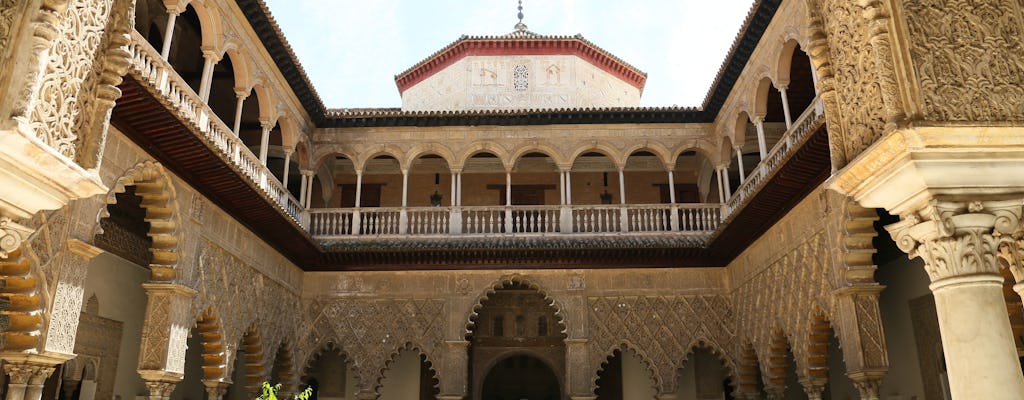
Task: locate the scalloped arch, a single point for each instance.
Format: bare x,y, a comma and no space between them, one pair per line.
159,198
474,311
393,357
621,348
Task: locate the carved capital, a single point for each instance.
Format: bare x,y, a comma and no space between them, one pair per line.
27,373
867,384
160,389
12,235
956,239
216,389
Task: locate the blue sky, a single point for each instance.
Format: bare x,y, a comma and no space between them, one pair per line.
352,49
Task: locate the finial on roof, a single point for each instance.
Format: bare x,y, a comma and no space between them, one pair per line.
520,26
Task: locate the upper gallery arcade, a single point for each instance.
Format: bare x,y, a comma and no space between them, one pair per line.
182,217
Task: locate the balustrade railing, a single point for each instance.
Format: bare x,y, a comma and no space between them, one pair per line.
149,67
338,223
789,142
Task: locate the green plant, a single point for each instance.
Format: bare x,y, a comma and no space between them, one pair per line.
268,392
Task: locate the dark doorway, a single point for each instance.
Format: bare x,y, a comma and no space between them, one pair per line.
521,377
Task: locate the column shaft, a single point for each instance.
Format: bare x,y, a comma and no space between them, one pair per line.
168,35
239,102
287,167
671,187
264,143
739,159
785,105
762,145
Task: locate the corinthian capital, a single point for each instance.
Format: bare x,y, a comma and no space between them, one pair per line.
957,238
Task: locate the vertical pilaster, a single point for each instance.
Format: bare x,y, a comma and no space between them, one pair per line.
164,333
577,373
454,385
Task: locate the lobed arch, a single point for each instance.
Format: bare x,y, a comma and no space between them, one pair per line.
283,363
728,363
252,344
540,148
819,334
600,147
622,347
330,347
482,147
773,365
659,150
159,198
26,301
211,335
474,311
747,370
393,357
421,150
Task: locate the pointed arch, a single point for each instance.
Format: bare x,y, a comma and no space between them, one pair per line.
159,198
509,280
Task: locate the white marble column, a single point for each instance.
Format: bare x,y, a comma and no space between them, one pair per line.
210,59
403,214
265,139
302,186
240,96
739,159
785,104
721,183
762,145
309,189
726,185
287,166
172,16
959,250
568,187
508,201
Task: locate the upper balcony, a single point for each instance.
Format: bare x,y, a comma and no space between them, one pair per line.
651,205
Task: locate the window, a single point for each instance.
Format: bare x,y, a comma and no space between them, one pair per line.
498,328
542,326
520,326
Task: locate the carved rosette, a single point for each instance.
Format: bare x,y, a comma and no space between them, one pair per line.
956,239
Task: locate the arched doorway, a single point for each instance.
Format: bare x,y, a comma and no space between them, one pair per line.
517,341
521,377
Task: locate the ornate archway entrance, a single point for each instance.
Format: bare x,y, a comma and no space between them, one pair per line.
519,377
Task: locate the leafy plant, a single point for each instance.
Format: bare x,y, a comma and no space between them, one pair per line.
268,392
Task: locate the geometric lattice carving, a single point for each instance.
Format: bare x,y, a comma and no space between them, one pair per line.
661,329
372,330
